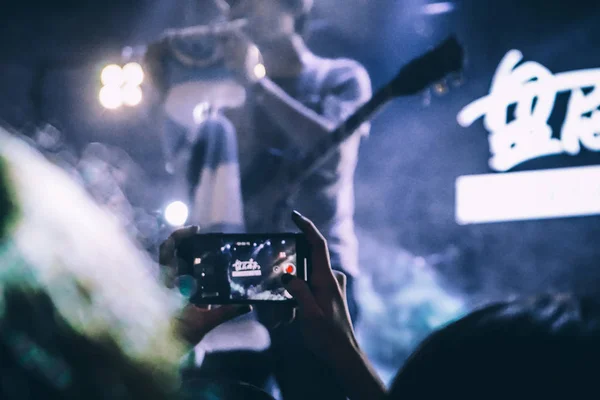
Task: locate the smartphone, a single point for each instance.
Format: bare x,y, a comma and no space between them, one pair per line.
219,268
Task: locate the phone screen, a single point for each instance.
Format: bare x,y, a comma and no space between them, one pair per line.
236,268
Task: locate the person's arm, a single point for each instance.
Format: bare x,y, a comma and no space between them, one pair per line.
192,323
345,92
325,321
359,378
355,373
295,119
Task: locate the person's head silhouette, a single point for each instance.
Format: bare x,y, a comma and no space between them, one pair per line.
545,348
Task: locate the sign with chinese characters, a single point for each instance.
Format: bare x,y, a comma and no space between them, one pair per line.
530,89
245,268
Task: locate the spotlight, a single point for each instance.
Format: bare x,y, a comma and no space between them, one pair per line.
255,62
438,8
201,112
112,75
110,97
260,71
132,95
133,74
121,85
176,213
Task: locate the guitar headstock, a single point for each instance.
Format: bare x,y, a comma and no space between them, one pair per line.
430,68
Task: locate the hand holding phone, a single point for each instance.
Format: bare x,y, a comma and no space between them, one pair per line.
192,323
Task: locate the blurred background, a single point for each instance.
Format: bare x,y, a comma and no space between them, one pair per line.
421,268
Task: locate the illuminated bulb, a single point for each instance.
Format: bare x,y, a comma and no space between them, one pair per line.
132,95
112,75
438,8
110,97
260,71
133,74
201,112
176,213
441,88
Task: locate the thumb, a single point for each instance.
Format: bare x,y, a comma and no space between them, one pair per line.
302,294
216,316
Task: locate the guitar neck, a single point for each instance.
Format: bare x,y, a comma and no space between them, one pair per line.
328,145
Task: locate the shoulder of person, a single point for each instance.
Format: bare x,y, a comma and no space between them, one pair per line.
342,70
340,66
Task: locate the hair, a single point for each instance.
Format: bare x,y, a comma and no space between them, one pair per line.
299,9
81,316
545,346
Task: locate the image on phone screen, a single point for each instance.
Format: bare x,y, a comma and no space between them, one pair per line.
240,268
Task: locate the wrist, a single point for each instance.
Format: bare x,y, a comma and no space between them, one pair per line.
344,350
355,372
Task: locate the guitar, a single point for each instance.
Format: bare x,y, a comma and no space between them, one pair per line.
276,194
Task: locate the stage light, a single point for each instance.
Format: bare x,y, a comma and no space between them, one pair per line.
440,88
133,74
110,97
255,62
260,71
121,85
438,8
201,112
176,213
132,95
112,75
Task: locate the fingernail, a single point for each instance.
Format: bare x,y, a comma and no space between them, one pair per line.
287,278
296,214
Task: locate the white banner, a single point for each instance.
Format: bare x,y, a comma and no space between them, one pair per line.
554,193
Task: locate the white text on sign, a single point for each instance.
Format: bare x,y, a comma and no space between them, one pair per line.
532,89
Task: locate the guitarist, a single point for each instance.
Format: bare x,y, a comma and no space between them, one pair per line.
303,98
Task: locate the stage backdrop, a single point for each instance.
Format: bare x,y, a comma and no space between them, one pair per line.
410,193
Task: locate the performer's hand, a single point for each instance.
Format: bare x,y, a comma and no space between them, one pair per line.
194,322
241,57
323,311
